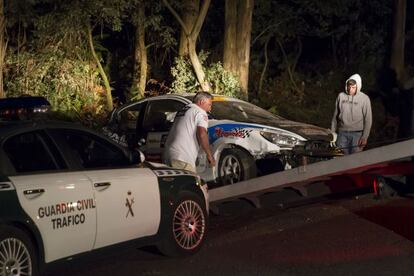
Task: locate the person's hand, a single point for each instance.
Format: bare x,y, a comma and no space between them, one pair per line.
211,160
362,142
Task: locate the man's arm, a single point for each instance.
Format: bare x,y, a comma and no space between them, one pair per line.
367,123
334,121
202,138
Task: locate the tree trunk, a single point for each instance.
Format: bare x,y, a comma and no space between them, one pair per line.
230,62
109,102
190,13
398,41
3,46
244,30
192,36
140,55
237,37
198,68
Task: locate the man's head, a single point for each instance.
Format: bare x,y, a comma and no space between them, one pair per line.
203,100
351,87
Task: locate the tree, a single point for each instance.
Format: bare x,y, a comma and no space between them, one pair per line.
192,35
190,12
398,40
3,45
139,77
237,37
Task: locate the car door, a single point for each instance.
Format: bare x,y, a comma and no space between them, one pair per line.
127,197
126,122
157,122
59,201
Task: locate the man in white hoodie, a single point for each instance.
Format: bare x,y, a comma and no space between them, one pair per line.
352,119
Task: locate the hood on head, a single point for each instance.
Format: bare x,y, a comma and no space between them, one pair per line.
357,78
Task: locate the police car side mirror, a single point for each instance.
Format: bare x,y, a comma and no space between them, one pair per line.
141,156
136,157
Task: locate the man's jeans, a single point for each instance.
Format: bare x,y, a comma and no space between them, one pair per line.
348,141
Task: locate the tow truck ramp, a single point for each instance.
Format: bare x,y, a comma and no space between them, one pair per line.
393,159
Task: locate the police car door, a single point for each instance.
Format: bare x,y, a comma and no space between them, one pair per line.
60,202
158,120
127,197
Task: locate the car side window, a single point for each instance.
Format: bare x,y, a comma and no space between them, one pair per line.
28,152
128,118
92,151
160,114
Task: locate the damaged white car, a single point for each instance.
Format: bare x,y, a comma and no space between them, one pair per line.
246,140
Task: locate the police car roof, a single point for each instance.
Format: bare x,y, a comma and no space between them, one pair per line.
9,127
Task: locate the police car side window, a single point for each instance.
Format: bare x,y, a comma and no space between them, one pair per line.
92,151
28,152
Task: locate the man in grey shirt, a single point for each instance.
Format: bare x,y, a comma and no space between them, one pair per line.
352,119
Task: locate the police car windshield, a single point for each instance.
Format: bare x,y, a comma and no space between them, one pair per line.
240,111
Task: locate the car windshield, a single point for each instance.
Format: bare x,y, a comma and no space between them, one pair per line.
240,111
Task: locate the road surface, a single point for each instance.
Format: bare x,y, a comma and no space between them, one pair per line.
356,235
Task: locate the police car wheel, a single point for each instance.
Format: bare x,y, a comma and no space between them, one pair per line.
186,227
235,165
17,256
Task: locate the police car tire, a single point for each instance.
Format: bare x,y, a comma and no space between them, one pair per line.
247,164
174,240
19,241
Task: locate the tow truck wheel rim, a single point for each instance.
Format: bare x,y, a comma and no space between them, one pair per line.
231,169
188,225
14,258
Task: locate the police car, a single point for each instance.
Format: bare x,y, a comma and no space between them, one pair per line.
66,190
245,139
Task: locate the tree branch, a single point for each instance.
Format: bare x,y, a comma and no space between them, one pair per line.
177,16
200,19
262,75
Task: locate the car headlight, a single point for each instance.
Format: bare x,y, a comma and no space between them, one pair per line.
283,140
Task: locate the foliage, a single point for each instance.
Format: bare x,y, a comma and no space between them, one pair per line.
57,63
222,82
71,86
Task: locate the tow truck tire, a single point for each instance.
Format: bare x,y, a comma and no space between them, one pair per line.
186,227
235,165
17,255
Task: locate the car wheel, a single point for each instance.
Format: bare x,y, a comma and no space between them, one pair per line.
17,256
235,165
185,230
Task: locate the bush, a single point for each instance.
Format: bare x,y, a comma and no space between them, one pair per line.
222,82
72,86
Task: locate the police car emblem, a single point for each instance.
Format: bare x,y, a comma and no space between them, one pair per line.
128,204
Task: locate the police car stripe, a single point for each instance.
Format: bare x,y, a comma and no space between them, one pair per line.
171,172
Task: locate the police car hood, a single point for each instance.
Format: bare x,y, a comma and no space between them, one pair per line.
307,131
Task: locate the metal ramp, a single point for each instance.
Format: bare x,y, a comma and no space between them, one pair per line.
372,161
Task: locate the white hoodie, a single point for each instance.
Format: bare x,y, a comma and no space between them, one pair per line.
353,113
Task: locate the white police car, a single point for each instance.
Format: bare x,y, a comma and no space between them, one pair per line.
245,139
66,190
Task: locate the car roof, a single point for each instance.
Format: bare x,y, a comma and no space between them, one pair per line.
187,97
13,127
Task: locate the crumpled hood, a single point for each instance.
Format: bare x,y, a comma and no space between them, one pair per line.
307,131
